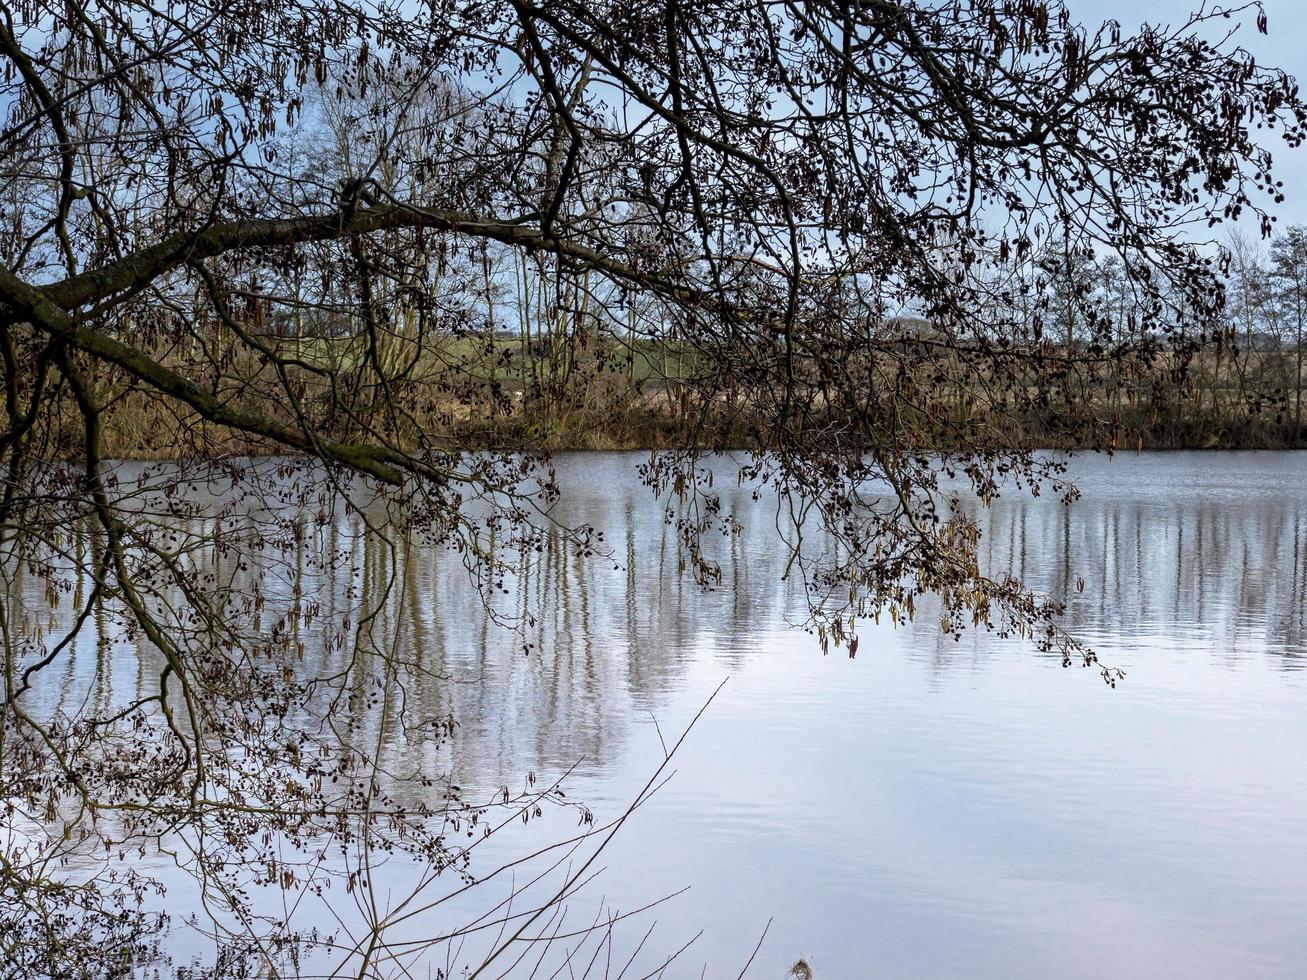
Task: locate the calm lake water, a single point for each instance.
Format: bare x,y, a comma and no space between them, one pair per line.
931,808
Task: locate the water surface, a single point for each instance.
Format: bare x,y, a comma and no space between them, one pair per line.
932,808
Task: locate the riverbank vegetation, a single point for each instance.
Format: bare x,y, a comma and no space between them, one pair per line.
617,396
368,239
541,360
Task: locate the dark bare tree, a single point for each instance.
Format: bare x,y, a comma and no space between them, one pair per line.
1289,273
296,228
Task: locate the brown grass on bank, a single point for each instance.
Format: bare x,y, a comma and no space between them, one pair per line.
466,399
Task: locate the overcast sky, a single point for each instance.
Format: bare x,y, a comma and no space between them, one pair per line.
1283,46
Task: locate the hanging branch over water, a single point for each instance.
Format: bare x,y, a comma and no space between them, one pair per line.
846,239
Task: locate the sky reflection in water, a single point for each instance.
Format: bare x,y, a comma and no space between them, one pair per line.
931,808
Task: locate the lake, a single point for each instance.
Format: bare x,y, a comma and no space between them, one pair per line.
932,807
